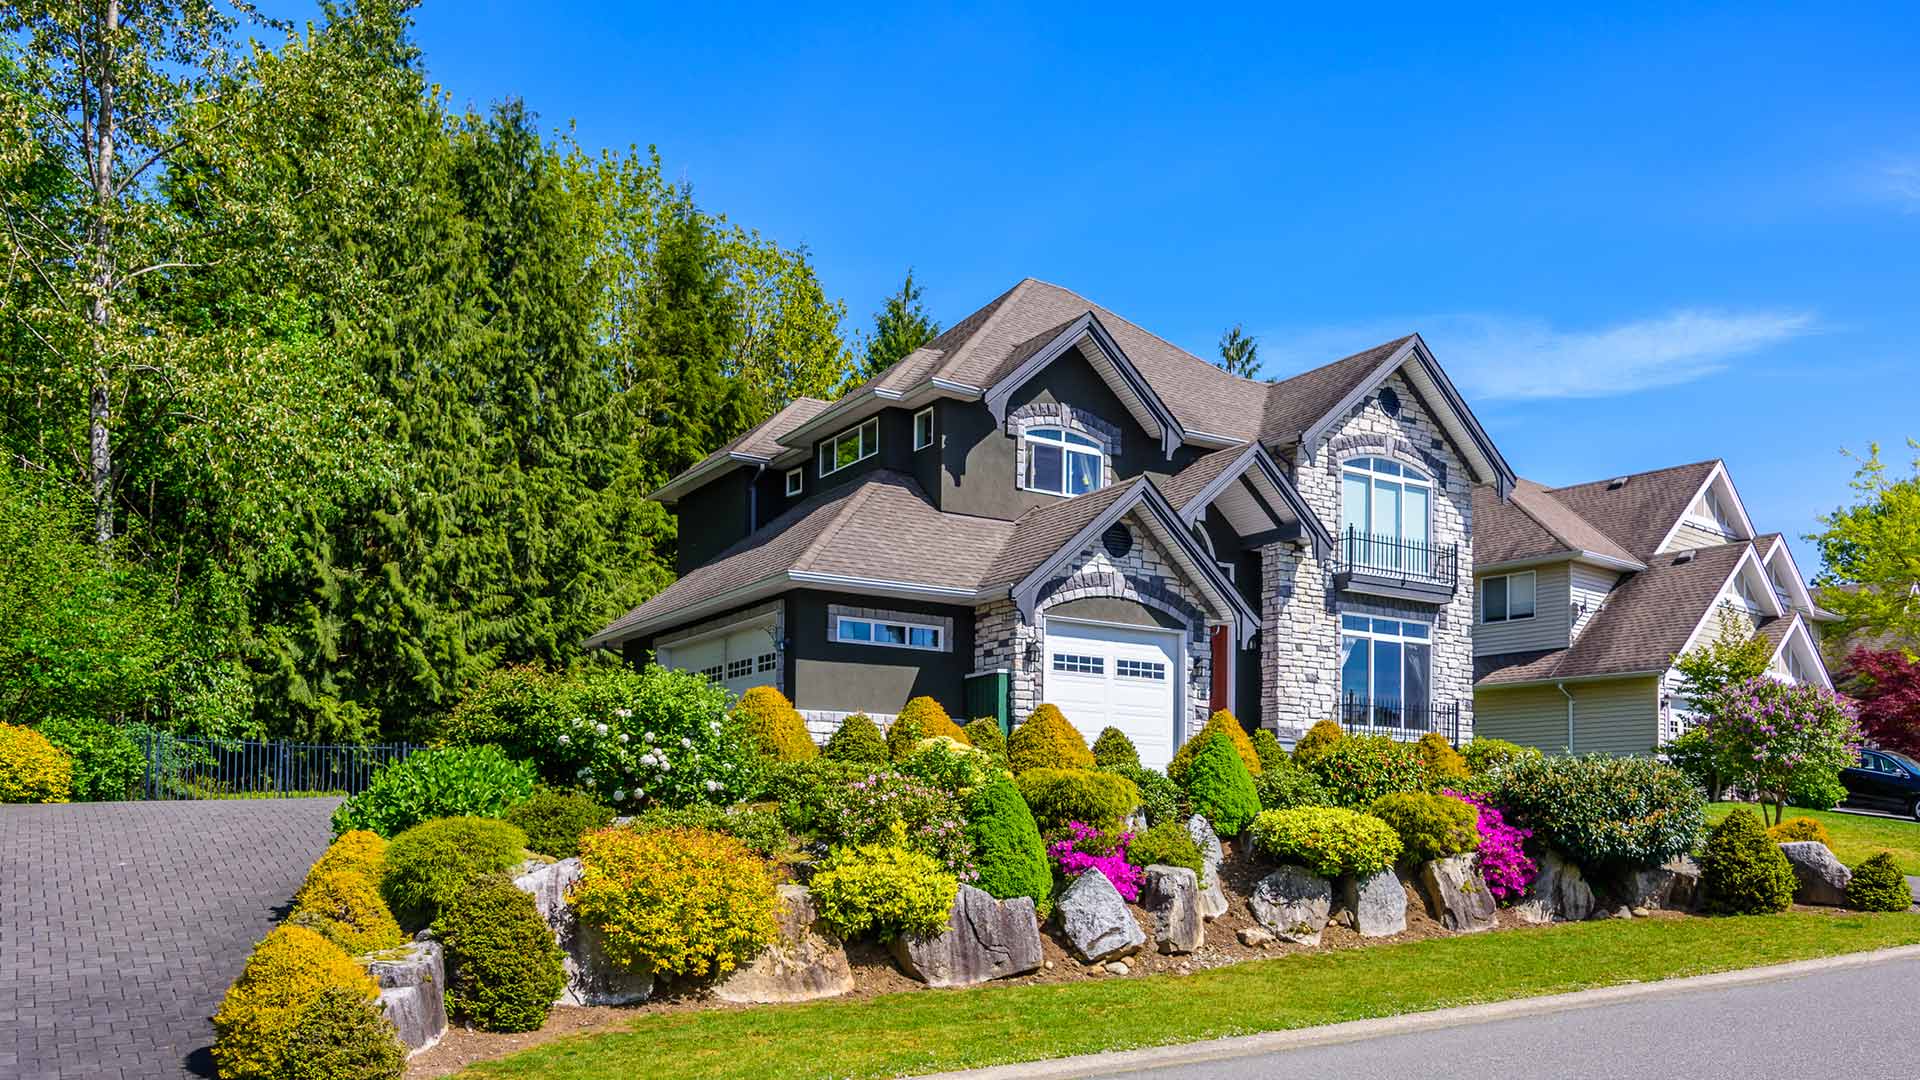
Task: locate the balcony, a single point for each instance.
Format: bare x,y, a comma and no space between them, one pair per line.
1400,720
1393,567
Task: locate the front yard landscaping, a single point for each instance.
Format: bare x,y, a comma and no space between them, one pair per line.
1855,836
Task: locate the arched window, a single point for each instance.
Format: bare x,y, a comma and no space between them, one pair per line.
1061,462
1384,511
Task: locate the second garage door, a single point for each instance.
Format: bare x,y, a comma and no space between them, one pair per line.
1103,675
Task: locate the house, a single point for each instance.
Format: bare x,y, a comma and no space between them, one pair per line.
1049,503
1587,593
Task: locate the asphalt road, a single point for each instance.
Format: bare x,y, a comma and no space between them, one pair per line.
1854,1022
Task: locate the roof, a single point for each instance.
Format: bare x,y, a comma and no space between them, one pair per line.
760,442
1639,512
1040,532
1181,487
1532,523
1295,404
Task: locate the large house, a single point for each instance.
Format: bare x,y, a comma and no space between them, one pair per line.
1588,593
1049,503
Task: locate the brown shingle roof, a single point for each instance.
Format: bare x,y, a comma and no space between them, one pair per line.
1181,487
1533,523
1639,513
1294,404
1041,531
763,439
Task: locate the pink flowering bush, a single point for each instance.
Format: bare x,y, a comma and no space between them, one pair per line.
1771,736
883,804
1504,865
1087,848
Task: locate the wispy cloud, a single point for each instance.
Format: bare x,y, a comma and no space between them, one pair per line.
1899,182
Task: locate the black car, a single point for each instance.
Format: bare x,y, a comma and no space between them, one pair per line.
1884,780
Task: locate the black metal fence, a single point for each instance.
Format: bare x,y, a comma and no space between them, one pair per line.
179,768
1397,559
1381,717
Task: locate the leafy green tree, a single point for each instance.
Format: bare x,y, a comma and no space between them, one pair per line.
1772,737
1239,353
1870,554
1711,669
899,327
789,343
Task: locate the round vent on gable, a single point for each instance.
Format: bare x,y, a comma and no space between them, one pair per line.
1389,401
1117,540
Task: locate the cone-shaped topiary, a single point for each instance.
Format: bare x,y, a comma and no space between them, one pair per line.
343,1036
921,718
503,965
356,852
775,725
985,734
1878,885
1047,741
1223,723
1220,787
287,971
1006,846
1743,869
858,740
1317,739
1113,750
1266,747
346,909
1444,763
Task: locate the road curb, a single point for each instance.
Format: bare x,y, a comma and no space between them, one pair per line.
1161,1057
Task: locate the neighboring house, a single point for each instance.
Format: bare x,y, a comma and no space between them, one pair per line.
1048,503
1587,594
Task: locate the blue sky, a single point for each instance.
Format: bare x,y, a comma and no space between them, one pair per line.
1635,237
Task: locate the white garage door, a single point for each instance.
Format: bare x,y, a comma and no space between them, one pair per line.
1119,676
738,659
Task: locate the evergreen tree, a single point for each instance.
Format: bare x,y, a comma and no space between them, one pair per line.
899,327
1239,353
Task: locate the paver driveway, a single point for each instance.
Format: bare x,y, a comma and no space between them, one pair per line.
121,924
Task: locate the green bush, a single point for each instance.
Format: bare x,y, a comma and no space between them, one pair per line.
1047,741
1319,738
1604,813
1160,798
554,820
1445,765
463,781
804,788
1007,849
949,765
1220,788
1799,828
884,891
1429,826
1328,840
346,909
358,852
108,762
431,863
1743,870
503,968
684,903
1485,755
32,769
288,971
1266,747
858,739
985,734
1057,796
920,719
1287,785
774,725
1694,754
1221,722
1113,750
341,1035
1356,770
1816,791
1878,885
757,826
1166,844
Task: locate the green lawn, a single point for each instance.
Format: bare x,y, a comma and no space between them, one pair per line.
929,1031
1855,836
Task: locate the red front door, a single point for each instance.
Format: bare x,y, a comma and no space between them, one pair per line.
1220,663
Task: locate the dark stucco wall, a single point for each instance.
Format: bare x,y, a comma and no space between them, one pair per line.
712,517
829,675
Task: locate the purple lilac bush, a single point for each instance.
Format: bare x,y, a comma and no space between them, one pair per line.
1087,848
1504,865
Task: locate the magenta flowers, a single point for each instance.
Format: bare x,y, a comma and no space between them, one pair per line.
1087,848
1504,865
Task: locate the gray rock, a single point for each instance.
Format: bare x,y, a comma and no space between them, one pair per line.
1096,921
1558,891
1171,894
1673,885
1455,895
1293,903
806,961
592,978
1136,822
413,992
1820,878
1118,967
1375,906
1684,894
1255,937
985,939
1213,899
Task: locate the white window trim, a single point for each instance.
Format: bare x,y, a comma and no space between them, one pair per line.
928,413
906,631
829,447
1509,617
796,481
1402,639
1033,434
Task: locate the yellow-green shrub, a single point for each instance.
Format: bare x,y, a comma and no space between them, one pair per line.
343,1036
1057,796
1327,840
1319,738
1878,885
1047,741
1429,826
985,734
858,739
288,971
356,852
680,902
430,863
32,770
346,909
883,890
920,719
1800,828
1445,765
1219,787
1743,871
775,725
1224,723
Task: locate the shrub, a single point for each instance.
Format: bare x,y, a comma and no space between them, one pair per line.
1777,737
883,890
922,817
1113,750
1445,765
429,864
1743,871
1485,755
1057,796
1695,756
758,827
1220,788
921,718
803,788
950,766
985,734
107,761
32,769
1878,885
1160,798
1222,723
1816,791
346,909
1327,840
1286,785
1800,828
1085,848
1267,748
1006,845
1166,844
357,852
341,1035
858,739
1604,812
1429,826
1504,864
1047,741
288,971
774,725
503,967
1318,739
465,781
1360,769
554,820
685,903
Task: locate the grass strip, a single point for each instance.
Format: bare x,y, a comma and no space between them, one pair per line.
1855,836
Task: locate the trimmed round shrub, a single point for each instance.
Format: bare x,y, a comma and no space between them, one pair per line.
107,761
1360,769
985,734
1878,885
1007,849
803,789
1484,755
32,769
459,781
555,820
1744,871
1057,796
1160,798
858,739
883,891
758,827
1445,765
1220,788
1286,785
503,968
287,972
1166,844
1047,741
346,909
1429,826
1221,722
1318,739
919,719
431,863
1113,750
1799,828
774,725
685,903
357,852
341,1035
1267,748
1328,840
1816,791
1604,813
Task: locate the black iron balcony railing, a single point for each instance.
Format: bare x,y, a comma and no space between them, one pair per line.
1383,717
1395,566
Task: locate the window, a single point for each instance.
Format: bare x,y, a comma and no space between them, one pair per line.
1082,665
713,672
1386,670
766,662
795,478
1384,509
740,669
1506,598
1061,462
1140,669
923,428
850,446
901,635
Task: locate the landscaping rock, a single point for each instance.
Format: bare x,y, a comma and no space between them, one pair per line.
1375,906
1293,903
985,939
592,979
1559,891
1254,937
806,961
1673,885
413,993
1821,878
1685,893
1455,895
1171,894
1213,899
1096,921
1118,967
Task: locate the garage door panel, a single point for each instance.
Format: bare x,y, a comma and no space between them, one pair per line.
739,659
1122,677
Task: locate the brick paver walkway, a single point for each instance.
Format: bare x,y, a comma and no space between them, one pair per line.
121,925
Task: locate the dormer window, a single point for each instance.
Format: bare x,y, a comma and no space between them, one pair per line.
1061,462
850,446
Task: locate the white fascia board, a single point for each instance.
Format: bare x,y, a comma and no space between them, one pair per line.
1797,583
787,579
671,491
1573,680
1693,636
1718,474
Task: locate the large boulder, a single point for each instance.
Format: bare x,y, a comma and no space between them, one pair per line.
413,993
1455,895
1558,891
592,978
1213,899
1171,894
1096,921
1375,906
1672,885
1819,877
985,939
1293,903
805,962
